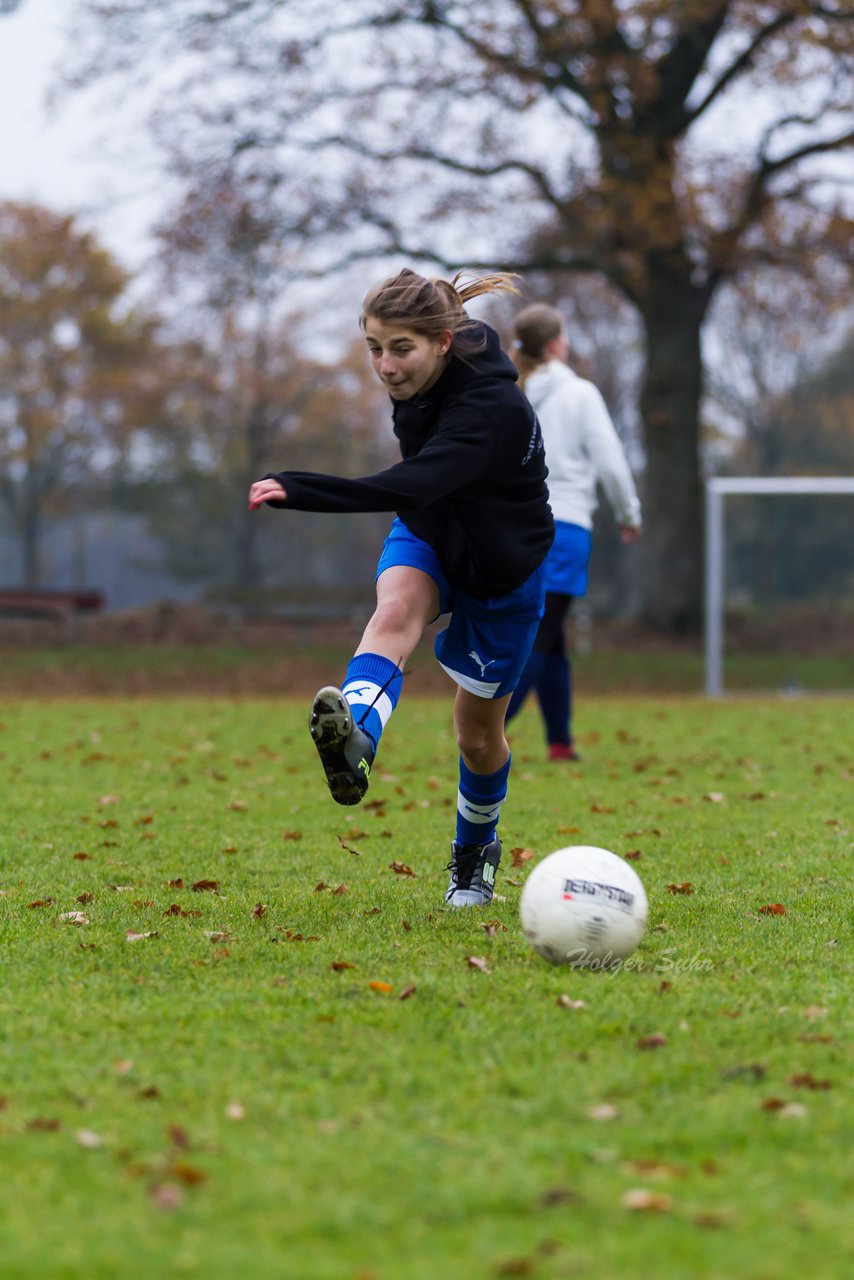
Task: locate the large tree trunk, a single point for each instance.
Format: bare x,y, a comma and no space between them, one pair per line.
670,404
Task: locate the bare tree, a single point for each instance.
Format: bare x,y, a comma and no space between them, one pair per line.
667,145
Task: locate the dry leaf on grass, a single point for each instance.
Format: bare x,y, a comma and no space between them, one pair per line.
384,988
401,869
602,1111
773,909
87,1138
521,856
478,962
165,1195
806,1080
133,936
642,1200
657,1040
685,888
566,1002
74,917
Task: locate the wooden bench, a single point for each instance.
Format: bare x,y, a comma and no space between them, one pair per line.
56,606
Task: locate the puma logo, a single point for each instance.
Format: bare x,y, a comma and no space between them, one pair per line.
475,656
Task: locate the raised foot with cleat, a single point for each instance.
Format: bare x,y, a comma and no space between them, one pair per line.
346,752
473,868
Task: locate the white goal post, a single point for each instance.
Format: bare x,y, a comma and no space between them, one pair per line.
716,490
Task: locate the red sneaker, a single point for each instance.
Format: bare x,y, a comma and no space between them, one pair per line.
560,751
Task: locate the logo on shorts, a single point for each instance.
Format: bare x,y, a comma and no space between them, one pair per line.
475,656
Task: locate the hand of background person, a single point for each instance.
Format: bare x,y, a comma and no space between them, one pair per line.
265,491
629,532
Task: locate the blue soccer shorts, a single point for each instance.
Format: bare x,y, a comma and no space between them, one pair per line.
486,643
567,562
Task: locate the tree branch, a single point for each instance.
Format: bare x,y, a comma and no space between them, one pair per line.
742,63
445,161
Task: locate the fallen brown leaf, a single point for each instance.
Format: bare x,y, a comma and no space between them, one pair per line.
516,1267
478,962
566,1002
178,1136
602,1111
133,936
407,992
686,888
521,856
357,853
166,1195
773,909
74,917
401,869
642,1200
206,886
806,1080
340,965
384,988
554,1196
657,1040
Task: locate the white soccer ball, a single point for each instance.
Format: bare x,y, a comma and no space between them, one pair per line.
583,907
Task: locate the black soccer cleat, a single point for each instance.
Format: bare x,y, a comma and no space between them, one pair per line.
473,868
346,752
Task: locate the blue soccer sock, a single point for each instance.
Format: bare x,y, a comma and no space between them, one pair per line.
479,802
372,687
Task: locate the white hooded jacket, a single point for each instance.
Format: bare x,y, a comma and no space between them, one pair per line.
582,447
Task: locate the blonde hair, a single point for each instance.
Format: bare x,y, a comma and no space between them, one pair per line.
535,327
432,307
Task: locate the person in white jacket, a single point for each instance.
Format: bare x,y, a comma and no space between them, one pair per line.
582,449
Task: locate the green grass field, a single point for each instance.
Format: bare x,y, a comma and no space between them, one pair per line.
296,1073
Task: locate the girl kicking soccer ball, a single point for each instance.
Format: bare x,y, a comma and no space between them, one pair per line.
469,539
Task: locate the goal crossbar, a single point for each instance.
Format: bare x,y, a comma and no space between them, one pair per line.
716,491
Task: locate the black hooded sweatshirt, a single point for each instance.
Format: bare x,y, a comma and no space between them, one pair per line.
472,482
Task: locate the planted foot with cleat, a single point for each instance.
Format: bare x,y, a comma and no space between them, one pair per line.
346,752
473,868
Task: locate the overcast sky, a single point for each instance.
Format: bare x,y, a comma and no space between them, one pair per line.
63,158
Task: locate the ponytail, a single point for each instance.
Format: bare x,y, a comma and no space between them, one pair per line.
534,329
